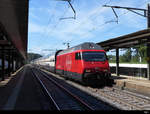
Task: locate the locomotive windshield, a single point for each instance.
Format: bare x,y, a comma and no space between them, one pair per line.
94,56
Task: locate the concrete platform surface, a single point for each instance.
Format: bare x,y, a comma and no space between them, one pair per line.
20,92
136,84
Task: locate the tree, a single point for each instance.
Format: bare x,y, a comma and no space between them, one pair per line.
32,56
140,51
127,56
112,58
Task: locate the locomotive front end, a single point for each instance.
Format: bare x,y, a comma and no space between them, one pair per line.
96,65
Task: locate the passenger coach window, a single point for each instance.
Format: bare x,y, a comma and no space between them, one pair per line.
78,56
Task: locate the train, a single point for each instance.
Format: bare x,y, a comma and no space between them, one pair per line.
84,62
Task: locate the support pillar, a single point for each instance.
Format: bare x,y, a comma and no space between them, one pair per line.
16,68
12,62
148,59
17,63
148,43
0,64
14,65
3,64
9,62
117,61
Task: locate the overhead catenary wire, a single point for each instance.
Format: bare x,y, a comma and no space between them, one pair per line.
91,30
83,22
50,18
110,21
99,8
58,21
55,26
70,5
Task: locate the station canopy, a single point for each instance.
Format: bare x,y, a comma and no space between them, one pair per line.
127,41
14,26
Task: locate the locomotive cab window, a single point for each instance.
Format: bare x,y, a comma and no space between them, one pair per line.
94,56
78,56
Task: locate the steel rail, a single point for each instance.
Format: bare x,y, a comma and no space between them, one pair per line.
45,89
114,96
68,92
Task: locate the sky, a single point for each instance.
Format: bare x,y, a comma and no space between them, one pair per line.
47,32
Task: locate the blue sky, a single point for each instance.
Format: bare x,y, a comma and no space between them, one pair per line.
47,31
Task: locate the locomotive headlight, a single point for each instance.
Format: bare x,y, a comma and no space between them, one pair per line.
105,70
97,68
88,70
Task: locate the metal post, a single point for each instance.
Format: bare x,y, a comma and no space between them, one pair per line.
117,61
148,43
9,62
12,62
148,60
16,68
3,63
148,15
68,45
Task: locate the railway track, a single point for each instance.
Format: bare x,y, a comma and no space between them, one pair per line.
62,98
122,99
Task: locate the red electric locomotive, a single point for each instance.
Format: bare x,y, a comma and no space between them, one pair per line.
83,62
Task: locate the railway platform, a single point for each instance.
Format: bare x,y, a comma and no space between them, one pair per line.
20,92
135,84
